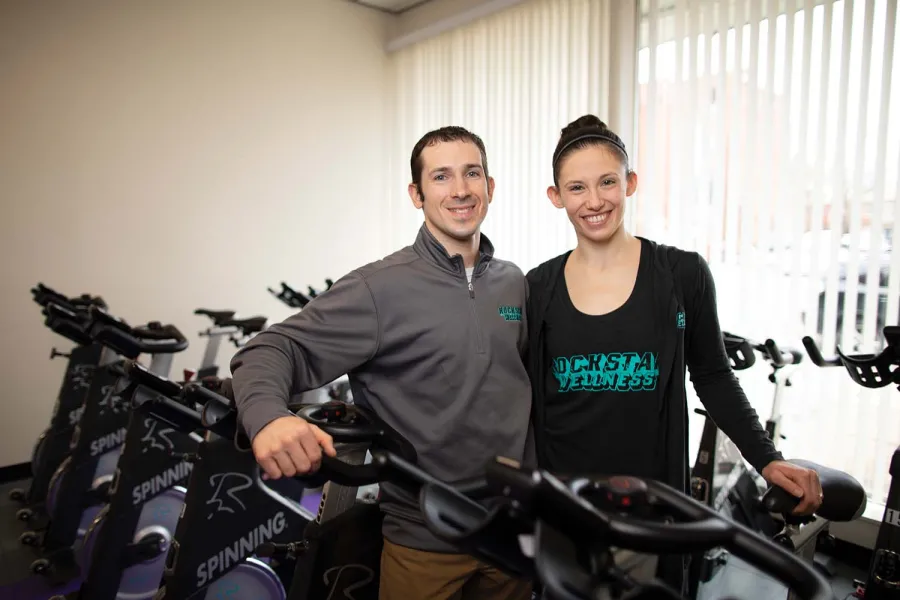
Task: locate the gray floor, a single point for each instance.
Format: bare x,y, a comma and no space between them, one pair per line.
742,580
736,580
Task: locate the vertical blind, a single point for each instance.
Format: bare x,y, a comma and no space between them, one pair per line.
515,79
766,143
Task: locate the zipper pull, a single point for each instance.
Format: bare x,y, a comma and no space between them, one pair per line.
471,291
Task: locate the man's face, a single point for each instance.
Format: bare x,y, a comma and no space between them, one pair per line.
455,191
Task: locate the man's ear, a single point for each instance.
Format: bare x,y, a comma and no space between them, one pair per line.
490,183
553,194
414,195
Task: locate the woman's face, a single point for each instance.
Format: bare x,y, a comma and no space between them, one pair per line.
593,185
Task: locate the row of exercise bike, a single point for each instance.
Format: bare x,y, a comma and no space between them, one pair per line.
158,494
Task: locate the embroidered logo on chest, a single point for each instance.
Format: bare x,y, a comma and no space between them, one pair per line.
511,313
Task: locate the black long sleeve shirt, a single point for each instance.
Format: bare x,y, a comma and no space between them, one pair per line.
609,391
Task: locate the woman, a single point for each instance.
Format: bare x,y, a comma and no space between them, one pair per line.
612,326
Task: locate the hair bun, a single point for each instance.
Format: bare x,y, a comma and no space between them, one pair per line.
584,122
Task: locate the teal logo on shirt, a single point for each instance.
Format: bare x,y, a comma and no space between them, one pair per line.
613,372
679,320
511,313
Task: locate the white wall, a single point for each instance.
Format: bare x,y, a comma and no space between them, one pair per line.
175,155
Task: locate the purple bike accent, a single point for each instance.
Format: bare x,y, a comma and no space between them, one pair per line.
106,467
159,515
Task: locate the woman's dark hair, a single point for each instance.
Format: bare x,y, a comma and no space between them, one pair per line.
583,132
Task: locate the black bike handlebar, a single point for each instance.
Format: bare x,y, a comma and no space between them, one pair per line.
161,404
867,370
815,355
67,323
130,342
344,422
159,384
780,357
613,509
588,513
739,350
43,295
290,296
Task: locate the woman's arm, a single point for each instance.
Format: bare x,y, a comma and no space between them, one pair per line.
710,370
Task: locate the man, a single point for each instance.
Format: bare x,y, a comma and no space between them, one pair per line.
431,338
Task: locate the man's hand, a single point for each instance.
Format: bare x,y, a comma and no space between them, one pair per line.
797,481
290,446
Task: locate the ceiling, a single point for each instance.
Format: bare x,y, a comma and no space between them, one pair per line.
390,6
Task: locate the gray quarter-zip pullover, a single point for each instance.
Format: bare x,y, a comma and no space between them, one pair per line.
436,356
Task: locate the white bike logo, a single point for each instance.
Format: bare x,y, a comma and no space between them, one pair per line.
111,401
217,481
162,434
365,573
80,377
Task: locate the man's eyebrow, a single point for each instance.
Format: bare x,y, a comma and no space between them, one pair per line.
445,169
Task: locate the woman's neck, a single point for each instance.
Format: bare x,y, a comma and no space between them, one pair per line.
600,256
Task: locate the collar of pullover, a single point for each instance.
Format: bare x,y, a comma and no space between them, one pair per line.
429,248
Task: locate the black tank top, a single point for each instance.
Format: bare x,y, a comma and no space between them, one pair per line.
602,396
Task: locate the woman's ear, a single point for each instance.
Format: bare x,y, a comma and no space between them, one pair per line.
555,198
632,182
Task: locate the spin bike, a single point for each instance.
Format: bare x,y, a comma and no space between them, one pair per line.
124,548
739,495
52,445
568,533
81,484
232,522
295,299
876,371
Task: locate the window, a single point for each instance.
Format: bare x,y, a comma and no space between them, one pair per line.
516,79
766,144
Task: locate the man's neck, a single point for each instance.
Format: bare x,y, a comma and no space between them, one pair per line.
468,249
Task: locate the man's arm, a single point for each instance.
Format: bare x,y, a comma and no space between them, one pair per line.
715,383
333,335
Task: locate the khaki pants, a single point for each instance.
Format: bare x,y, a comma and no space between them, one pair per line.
408,574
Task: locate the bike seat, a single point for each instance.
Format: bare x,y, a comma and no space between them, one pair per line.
248,326
844,498
218,316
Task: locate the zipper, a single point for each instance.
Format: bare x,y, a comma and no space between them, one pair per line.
478,338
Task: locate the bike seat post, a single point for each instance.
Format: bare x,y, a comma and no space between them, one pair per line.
214,337
161,364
